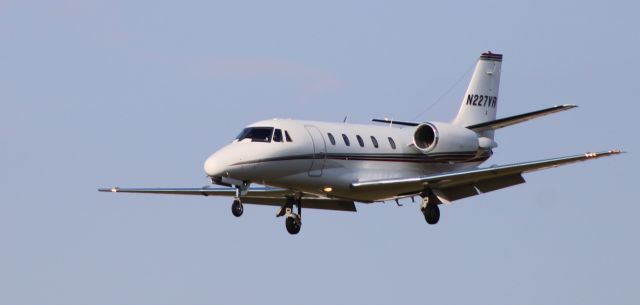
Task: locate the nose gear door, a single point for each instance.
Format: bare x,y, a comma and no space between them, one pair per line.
319,151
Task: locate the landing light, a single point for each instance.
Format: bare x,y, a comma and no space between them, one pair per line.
327,189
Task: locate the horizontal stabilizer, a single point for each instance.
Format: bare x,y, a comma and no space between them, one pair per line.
508,121
392,122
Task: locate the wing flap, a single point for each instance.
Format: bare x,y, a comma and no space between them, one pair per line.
307,203
490,185
457,192
483,186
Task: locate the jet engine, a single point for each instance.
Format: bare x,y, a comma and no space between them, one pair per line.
443,137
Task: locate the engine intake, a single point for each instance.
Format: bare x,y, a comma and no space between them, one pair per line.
425,137
436,137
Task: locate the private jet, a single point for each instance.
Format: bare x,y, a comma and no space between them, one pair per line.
331,166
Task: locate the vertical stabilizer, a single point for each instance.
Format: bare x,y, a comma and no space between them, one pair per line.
480,102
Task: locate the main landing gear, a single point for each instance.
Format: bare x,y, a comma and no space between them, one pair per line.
429,207
293,224
293,221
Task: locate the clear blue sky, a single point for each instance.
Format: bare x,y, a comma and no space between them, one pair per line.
139,93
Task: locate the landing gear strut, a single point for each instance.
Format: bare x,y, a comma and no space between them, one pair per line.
293,221
236,207
429,207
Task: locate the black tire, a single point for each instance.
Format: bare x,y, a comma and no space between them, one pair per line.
236,208
431,214
293,224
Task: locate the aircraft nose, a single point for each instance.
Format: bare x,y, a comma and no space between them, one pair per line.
213,167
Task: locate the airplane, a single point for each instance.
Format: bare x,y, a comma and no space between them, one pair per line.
331,166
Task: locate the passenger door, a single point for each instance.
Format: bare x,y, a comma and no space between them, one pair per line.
319,151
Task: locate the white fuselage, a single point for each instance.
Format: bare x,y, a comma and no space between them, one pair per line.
311,162
330,166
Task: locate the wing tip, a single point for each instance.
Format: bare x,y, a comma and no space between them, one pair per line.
591,155
109,190
564,106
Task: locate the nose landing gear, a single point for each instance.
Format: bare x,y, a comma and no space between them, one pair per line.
237,208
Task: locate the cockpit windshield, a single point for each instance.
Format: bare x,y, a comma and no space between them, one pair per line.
256,134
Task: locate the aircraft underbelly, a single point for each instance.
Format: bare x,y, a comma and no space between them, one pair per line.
339,174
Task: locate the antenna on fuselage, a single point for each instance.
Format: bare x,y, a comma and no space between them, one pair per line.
441,97
345,119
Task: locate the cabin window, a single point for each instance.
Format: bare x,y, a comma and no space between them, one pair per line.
360,141
374,141
256,134
392,143
331,139
286,136
346,140
277,135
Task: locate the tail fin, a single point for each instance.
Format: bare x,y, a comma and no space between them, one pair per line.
480,102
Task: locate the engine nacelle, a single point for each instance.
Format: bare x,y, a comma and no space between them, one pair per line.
443,137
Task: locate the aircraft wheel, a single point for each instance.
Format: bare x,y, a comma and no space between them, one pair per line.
237,208
293,224
431,214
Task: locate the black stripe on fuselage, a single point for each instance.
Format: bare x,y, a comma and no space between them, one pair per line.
412,158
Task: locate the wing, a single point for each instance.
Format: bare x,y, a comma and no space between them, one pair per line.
261,196
461,184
